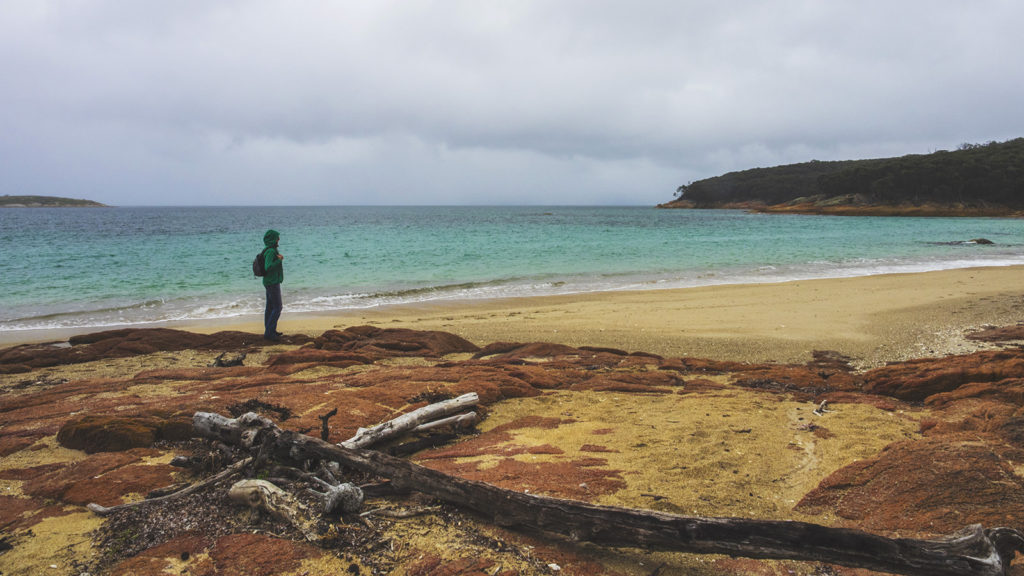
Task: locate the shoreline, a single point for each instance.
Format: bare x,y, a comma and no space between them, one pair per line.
872,319
818,208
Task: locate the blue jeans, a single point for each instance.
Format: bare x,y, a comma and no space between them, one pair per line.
273,312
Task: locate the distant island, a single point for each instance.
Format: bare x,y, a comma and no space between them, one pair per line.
974,180
7,201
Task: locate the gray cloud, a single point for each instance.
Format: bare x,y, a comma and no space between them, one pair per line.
421,102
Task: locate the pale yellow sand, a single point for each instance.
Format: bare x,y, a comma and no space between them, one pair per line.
874,319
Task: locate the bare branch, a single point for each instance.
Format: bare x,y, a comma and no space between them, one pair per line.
227,472
467,420
369,436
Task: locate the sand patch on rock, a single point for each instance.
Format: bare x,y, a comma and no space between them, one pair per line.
57,545
735,452
43,452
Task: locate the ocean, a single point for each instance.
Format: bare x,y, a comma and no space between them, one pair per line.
109,267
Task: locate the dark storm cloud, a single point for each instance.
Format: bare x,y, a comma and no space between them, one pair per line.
468,102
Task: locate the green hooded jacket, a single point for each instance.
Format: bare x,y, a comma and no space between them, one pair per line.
275,267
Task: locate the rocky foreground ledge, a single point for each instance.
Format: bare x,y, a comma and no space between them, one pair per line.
913,449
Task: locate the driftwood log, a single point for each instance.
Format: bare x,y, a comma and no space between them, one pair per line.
336,497
467,420
973,551
365,437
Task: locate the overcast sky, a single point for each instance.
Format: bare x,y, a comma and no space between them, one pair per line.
483,102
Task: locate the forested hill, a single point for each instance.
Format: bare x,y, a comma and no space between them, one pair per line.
44,202
976,179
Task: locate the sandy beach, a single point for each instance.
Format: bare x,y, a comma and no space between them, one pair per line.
580,423
874,319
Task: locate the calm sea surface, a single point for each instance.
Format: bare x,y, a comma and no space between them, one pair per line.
113,266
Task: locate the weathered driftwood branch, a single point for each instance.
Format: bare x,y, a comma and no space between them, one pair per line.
227,472
467,420
971,552
369,436
265,496
337,496
239,431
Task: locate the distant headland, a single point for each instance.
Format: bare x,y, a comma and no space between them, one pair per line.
7,201
974,180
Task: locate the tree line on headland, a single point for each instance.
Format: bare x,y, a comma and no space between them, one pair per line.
7,201
974,180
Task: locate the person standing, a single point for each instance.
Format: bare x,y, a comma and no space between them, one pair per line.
273,262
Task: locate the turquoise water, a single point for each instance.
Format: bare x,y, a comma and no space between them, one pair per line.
107,267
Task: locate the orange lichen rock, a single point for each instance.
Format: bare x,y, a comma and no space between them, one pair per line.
393,342
129,342
936,485
100,433
917,380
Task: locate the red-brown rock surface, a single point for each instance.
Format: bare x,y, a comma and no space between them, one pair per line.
124,343
998,333
936,485
390,342
120,425
98,433
919,380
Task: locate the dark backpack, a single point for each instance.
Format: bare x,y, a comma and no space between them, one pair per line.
259,264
